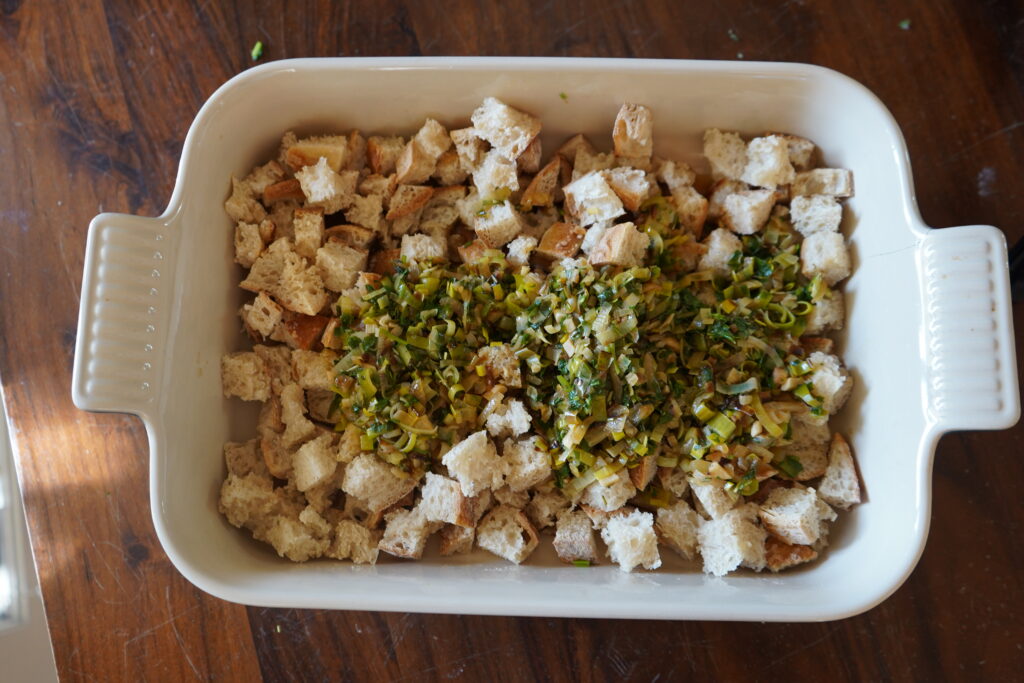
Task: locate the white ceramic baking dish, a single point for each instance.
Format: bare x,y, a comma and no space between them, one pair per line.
928,337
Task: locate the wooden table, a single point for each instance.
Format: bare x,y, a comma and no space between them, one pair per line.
96,100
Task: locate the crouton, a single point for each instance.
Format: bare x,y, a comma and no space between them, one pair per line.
415,164
544,507
673,480
354,236
573,145
525,465
500,364
726,152
840,486
825,254
808,444
366,212
244,458
424,249
374,482
406,533
588,161
631,186
676,526
443,501
437,221
560,241
261,177
837,182
590,199
644,472
456,540
529,160
574,538
537,221
383,261
382,153
800,150
247,500
299,331
248,243
633,131
768,163
352,541
495,175
622,245
242,205
594,235
281,216
408,199
818,213
297,428
508,130
745,212
322,405
631,541
721,245
609,494
285,190
829,381
470,148
780,555
515,499
543,188
509,418
293,539
314,370
795,515
306,152
733,540
282,273
308,227
313,463
433,138
519,250
244,375
719,192
278,361
326,188
712,496
262,315
692,209
506,532
499,225
339,265
449,170
827,314
474,463
675,174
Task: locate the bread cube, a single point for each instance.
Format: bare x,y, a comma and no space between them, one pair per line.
529,160
501,365
733,540
621,245
676,526
314,369
609,494
470,148
508,130
795,515
244,458
248,243
692,208
588,161
675,174
544,507
243,205
494,174
499,225
408,199
633,131
543,188
726,152
308,226
631,541
307,151
374,482
745,212
574,538
714,500
339,265
406,533
244,375
817,213
571,147
780,555
631,186
809,439
297,428
354,236
313,463
366,211
840,486
801,151
424,249
506,532
449,170
475,464
768,163
415,164
836,182
525,464
352,541
382,153
326,188
293,539
247,500
828,313
721,245
456,540
825,254
830,381
278,361
560,241
509,418
519,250
443,501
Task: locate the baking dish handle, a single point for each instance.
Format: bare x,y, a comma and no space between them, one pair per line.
968,329
124,313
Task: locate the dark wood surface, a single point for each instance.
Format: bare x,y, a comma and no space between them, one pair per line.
95,100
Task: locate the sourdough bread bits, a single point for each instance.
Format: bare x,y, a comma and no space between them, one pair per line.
457,335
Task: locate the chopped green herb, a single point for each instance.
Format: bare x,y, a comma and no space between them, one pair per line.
565,97
581,563
790,466
905,24
257,50
732,35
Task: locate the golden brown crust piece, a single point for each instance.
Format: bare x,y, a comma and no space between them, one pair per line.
560,241
643,473
383,262
780,555
286,189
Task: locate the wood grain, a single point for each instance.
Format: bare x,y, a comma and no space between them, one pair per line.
95,100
